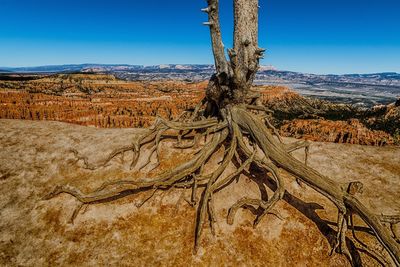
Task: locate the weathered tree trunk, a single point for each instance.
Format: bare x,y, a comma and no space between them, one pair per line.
246,54
233,79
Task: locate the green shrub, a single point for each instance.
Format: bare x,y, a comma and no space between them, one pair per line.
396,137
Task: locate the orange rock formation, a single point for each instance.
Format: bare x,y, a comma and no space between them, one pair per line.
351,132
101,102
106,102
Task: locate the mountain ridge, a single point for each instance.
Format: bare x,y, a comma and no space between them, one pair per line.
359,89
83,66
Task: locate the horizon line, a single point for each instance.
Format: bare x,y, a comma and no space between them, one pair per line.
273,68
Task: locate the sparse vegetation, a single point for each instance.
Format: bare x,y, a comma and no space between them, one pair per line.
396,137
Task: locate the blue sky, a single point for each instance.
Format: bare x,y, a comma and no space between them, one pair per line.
324,36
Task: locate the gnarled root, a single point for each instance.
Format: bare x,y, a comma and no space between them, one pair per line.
245,134
343,199
340,245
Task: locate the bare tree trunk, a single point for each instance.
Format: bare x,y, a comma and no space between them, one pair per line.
246,54
233,79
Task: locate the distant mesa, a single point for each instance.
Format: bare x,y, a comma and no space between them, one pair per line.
164,66
109,67
268,67
183,67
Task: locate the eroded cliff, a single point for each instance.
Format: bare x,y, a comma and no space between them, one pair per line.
103,101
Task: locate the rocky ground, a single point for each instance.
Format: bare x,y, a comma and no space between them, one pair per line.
35,157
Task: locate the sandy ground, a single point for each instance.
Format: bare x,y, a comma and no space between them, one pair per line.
34,158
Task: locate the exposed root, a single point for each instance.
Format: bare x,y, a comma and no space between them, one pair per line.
267,206
167,179
274,130
139,205
193,144
112,155
260,108
193,196
207,194
241,203
211,212
278,194
340,245
298,145
374,254
154,137
394,222
196,111
249,140
76,212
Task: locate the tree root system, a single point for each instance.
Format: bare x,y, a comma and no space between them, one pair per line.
248,138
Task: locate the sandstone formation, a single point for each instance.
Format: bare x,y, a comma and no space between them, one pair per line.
350,132
288,105
103,101
96,100
385,118
319,120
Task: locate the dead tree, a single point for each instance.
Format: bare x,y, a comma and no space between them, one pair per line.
231,114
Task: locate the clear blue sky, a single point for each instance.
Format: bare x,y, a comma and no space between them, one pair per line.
318,36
